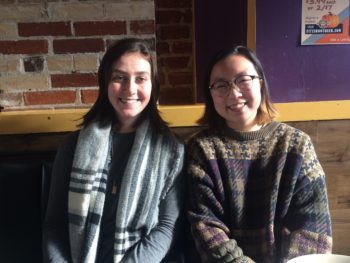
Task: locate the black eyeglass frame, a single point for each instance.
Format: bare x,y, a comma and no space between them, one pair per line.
233,83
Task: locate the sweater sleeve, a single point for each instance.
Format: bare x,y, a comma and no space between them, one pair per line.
206,210
55,230
307,222
155,246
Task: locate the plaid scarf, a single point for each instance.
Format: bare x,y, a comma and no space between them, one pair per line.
146,180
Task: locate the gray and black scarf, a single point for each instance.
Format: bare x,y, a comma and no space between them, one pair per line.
149,174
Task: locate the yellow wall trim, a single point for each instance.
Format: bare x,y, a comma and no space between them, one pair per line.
62,120
320,110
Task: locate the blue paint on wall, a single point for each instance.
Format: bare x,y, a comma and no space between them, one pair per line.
298,73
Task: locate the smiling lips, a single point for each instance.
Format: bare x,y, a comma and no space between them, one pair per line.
128,101
236,107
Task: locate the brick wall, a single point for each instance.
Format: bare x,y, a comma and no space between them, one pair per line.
50,49
175,50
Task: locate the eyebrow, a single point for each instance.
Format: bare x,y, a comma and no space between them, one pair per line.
118,71
243,73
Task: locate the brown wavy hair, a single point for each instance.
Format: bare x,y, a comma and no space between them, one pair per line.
102,111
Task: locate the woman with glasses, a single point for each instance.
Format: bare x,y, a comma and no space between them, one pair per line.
116,189
257,190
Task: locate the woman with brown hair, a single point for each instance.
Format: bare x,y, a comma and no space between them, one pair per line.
116,191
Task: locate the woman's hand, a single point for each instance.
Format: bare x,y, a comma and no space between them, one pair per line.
230,252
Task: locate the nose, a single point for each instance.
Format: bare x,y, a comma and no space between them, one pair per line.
234,90
130,87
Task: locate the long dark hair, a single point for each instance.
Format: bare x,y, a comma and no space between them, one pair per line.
266,111
102,111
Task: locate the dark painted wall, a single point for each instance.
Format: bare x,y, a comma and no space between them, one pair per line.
295,73
218,24
298,73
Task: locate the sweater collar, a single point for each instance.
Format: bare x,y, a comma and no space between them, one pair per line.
253,135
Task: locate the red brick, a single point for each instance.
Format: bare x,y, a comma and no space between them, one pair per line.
149,41
173,4
175,62
49,97
74,80
174,32
100,28
29,1
180,78
89,96
7,1
142,27
24,47
44,29
168,17
162,48
182,47
61,46
188,16
161,78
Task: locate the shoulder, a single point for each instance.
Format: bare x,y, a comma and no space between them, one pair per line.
65,153
294,139
171,141
203,135
161,138
69,143
288,131
72,138
204,143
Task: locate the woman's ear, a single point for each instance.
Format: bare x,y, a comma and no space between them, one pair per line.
261,83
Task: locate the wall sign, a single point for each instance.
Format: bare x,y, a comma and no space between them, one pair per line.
298,73
325,22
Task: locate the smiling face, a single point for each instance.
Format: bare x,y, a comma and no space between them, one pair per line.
129,88
239,109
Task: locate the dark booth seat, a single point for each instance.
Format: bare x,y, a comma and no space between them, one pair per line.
24,186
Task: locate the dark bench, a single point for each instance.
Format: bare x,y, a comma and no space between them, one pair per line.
24,188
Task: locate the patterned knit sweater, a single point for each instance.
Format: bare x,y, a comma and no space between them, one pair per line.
264,189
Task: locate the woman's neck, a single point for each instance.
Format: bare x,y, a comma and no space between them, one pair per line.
122,128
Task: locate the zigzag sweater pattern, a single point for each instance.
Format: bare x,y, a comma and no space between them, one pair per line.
265,189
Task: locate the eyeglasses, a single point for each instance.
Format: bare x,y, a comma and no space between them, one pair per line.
243,83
